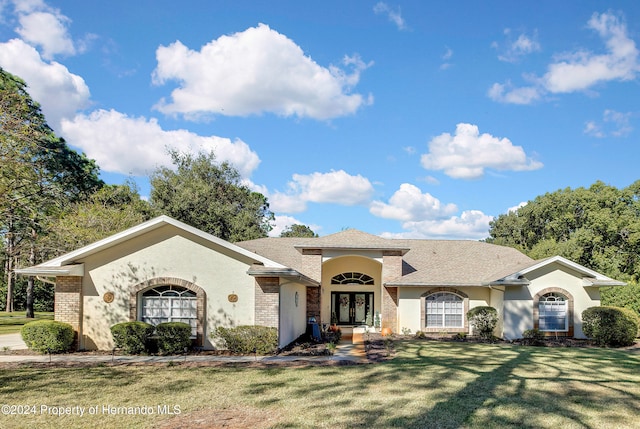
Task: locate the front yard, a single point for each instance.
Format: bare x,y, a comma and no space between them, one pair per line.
11,323
427,384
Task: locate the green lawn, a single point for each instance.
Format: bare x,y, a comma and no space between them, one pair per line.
428,384
12,322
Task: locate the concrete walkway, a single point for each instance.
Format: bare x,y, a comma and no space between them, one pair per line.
348,349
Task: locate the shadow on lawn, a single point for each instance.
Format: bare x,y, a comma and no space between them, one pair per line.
452,385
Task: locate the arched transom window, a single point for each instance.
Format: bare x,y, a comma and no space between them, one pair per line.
170,304
444,310
352,278
553,312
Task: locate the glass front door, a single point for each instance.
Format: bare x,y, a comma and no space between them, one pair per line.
351,308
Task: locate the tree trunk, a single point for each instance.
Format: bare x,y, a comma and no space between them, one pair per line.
31,280
10,259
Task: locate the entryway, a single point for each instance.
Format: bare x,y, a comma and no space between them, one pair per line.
352,308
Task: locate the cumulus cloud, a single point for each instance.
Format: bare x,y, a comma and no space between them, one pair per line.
137,145
613,124
468,153
255,71
335,187
60,92
470,225
394,16
514,49
282,222
581,70
409,204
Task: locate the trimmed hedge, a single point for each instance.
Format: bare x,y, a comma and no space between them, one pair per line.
533,337
483,319
48,336
248,339
610,326
173,337
132,337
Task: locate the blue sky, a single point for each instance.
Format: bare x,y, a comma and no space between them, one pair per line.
399,118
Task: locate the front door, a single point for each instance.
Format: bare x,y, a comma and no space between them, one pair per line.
351,308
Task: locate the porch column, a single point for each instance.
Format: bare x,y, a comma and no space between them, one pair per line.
267,294
312,267
67,305
391,270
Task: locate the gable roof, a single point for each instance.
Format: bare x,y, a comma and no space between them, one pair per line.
67,263
352,239
589,276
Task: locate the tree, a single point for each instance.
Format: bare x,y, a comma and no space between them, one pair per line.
112,209
298,231
210,196
39,174
598,227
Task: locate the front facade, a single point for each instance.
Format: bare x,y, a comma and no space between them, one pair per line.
164,270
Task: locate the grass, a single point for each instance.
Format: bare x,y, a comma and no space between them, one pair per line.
11,323
429,384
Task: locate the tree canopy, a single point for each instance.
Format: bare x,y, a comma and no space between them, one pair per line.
298,231
598,227
210,196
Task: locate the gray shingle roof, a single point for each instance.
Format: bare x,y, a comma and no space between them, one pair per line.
426,262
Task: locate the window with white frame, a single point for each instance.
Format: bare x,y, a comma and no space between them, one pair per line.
553,310
444,310
170,304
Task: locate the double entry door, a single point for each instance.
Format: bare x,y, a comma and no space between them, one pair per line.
351,308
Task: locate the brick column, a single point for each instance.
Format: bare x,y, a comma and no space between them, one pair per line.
68,303
267,312
391,270
313,302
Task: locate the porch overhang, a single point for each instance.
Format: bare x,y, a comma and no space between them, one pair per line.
52,271
286,273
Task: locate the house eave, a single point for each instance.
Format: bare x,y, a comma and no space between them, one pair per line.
45,271
286,273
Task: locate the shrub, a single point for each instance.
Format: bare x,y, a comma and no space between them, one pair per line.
132,337
610,326
533,337
173,337
420,335
249,339
483,319
48,336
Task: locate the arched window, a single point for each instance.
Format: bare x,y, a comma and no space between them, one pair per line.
444,310
170,304
352,278
553,311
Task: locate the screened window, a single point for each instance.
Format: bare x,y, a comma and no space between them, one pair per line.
170,304
444,310
553,312
352,278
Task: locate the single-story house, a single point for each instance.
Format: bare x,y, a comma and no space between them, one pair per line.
165,270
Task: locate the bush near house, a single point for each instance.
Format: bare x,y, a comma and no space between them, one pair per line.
483,319
610,326
132,337
249,339
173,337
48,336
533,337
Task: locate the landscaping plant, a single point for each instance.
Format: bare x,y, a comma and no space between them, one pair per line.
132,337
610,326
483,319
48,336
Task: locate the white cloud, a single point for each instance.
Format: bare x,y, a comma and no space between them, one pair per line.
130,145
514,50
468,153
515,208
282,222
394,16
581,70
335,187
60,92
255,71
48,31
615,124
470,225
409,204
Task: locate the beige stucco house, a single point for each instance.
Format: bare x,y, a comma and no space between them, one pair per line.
165,270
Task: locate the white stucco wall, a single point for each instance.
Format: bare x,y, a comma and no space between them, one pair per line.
165,252
293,315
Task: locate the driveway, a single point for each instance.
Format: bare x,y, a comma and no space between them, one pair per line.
11,342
